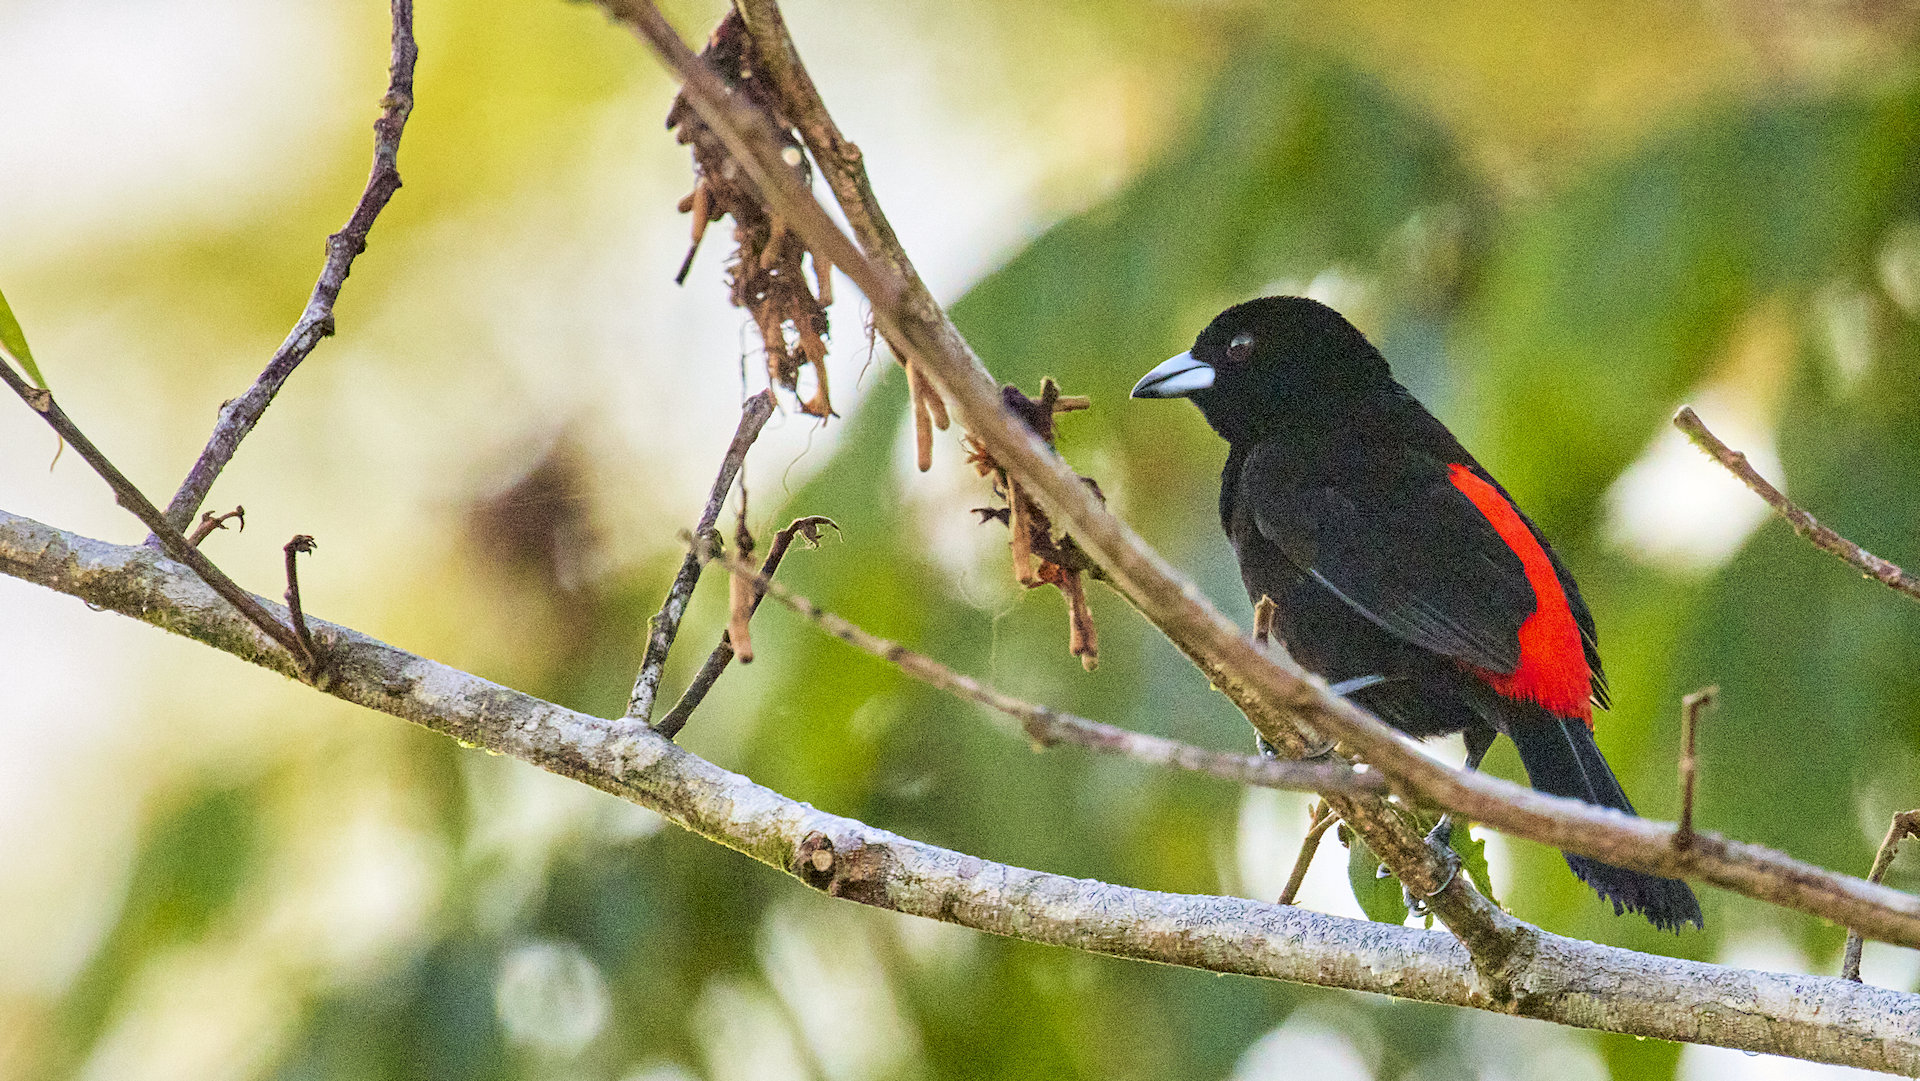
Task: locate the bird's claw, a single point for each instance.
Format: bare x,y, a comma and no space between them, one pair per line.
1321,751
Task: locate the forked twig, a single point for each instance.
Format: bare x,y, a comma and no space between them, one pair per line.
662,628
723,654
129,496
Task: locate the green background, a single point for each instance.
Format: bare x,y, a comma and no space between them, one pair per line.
1558,222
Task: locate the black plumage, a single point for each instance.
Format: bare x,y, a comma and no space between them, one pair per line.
1389,552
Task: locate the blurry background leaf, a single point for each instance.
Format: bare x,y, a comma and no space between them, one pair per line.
14,341
1377,890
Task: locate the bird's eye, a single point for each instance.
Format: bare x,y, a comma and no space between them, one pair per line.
1240,349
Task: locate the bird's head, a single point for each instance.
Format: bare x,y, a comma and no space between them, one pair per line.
1268,364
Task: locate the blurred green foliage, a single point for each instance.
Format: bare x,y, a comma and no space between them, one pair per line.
1555,330
14,342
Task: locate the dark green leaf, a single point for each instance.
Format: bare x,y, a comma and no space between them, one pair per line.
1473,859
1377,890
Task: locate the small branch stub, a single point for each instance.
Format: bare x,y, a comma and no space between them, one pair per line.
1905,824
309,655
1691,707
210,521
1321,819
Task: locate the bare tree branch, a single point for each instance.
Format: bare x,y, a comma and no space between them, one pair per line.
238,416
1820,536
1048,727
1556,979
1276,694
662,628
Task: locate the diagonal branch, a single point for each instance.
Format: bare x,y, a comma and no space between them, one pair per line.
238,416
1275,693
1818,534
663,627
128,495
906,313
1048,727
1558,979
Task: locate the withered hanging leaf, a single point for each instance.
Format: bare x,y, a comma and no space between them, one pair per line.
1039,557
767,275
742,591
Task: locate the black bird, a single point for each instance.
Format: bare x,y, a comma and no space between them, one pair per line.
1398,568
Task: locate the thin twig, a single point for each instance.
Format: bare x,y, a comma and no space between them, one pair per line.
210,521
238,416
130,497
722,655
309,656
1323,820
662,628
1691,707
1048,727
1820,536
1905,824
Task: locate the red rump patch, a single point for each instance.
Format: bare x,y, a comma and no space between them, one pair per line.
1553,665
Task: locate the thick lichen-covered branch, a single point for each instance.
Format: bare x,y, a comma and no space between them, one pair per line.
1555,979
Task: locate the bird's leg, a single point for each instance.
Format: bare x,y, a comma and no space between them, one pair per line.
1440,838
1344,688
1479,742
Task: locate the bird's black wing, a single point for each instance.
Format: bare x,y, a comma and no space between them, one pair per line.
1404,548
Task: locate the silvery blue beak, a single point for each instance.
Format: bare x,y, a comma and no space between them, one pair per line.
1175,378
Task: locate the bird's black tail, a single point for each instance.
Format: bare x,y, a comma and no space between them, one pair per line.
1562,760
